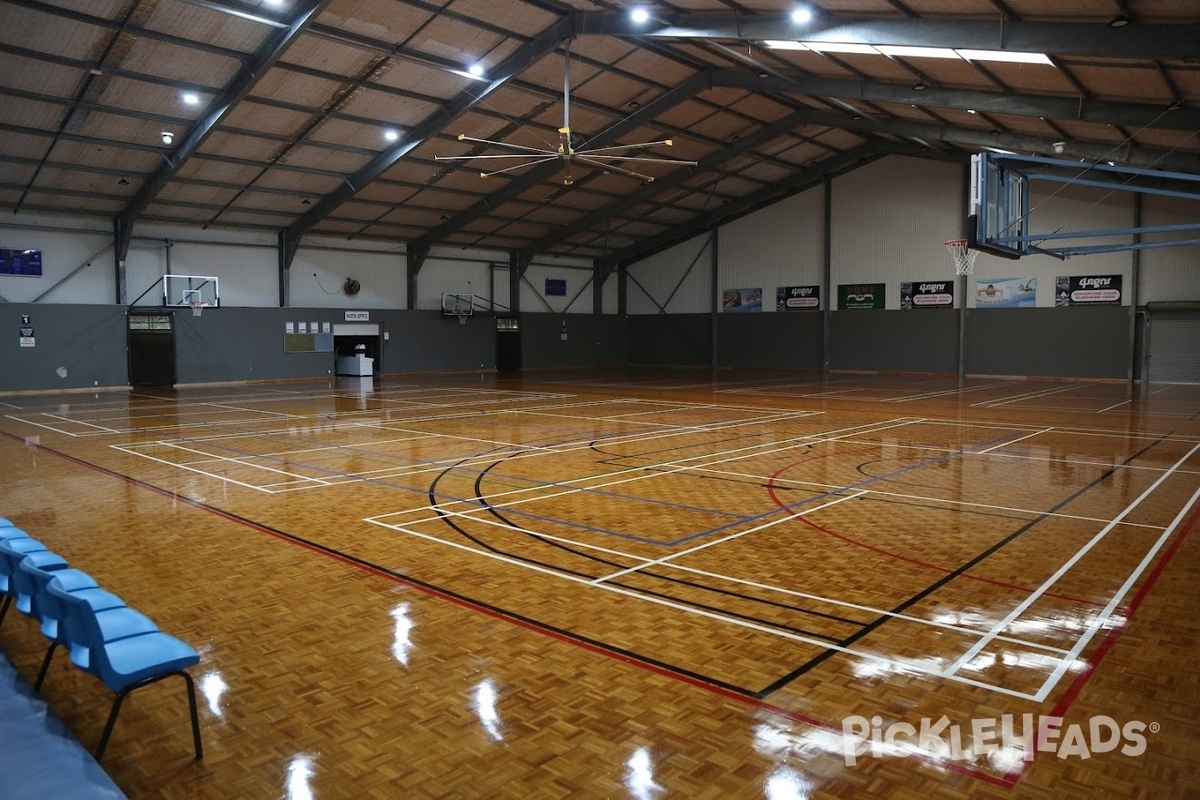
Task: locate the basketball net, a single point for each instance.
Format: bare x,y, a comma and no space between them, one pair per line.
963,255
462,318
197,308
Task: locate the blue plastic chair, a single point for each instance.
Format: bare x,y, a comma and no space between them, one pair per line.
125,663
11,553
33,574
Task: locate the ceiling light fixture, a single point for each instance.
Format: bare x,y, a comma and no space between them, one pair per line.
601,158
123,182
391,135
972,111
191,98
1119,21
167,137
801,15
639,15
476,70
919,86
306,202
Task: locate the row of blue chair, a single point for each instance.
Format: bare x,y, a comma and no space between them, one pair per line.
120,646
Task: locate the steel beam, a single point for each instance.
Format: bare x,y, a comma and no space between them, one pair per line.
272,49
1023,105
805,179
437,121
1144,40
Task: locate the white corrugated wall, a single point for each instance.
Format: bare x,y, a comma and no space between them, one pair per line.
1170,273
661,273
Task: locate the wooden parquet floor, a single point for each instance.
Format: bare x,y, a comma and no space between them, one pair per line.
644,584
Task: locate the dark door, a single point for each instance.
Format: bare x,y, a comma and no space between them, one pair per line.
151,349
508,344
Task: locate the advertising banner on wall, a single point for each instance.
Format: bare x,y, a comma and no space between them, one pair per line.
741,300
861,295
1087,290
927,294
1005,292
797,298
21,262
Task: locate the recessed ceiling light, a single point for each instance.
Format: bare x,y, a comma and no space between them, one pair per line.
639,15
801,15
476,70
191,98
391,135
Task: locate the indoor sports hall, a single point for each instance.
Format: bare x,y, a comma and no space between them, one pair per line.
582,399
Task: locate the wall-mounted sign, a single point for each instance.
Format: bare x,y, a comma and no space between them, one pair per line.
853,296
927,294
358,316
27,331
741,300
1087,290
27,341
21,262
556,287
797,298
1005,292
289,327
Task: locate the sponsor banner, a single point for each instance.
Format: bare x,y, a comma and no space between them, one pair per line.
861,295
797,298
1087,290
1005,292
927,294
741,300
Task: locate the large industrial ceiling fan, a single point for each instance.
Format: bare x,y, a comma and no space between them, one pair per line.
599,158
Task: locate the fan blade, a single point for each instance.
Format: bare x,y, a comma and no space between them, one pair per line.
663,142
518,166
462,137
611,168
545,153
643,159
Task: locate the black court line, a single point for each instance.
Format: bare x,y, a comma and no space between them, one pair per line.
933,587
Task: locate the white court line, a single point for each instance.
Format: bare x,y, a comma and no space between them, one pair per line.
240,462
470,515
905,666
8,405
78,422
212,475
1114,405
1025,396
1080,553
1014,441
1106,614
40,425
943,393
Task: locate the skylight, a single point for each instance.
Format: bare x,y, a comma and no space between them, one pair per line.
910,51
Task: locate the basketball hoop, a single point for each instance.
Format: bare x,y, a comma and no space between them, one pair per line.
963,255
197,308
462,317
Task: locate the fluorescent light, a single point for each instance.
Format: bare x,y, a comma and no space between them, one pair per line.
784,44
1008,56
908,51
639,15
801,15
841,47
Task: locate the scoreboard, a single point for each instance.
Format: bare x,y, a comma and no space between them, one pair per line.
21,262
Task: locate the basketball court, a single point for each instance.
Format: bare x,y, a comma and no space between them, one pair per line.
774,553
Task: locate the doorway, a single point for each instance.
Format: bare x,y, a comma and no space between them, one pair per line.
151,348
348,336
508,343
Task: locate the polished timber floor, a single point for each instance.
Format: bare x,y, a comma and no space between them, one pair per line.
639,584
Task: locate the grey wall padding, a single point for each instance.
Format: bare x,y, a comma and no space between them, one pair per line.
785,340
675,339
591,340
85,343
1070,342
924,340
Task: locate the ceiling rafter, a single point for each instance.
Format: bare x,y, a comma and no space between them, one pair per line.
275,45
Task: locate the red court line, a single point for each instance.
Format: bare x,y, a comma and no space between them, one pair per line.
889,553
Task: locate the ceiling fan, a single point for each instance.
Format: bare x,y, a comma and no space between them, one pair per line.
598,158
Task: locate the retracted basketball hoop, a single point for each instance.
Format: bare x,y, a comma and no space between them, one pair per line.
963,255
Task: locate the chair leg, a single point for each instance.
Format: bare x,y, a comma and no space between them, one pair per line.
37,686
191,688
112,720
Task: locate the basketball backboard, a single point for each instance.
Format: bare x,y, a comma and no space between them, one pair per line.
189,290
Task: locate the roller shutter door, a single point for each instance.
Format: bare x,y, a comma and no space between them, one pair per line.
1174,348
